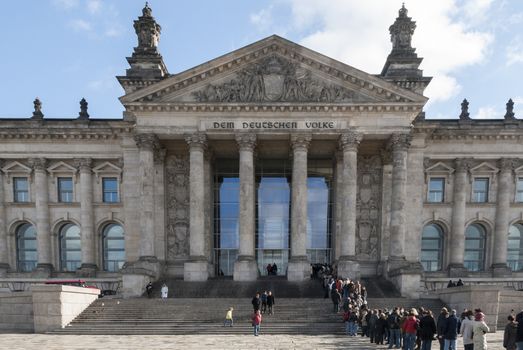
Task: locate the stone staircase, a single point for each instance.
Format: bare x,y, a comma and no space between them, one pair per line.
307,316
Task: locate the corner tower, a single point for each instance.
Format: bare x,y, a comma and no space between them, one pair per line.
402,65
147,66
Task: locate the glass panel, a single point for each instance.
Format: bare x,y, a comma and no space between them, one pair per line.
110,190
317,213
273,213
26,248
515,247
65,189
432,247
480,189
20,189
114,247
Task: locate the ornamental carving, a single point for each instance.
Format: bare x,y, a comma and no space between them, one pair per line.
274,79
177,202
300,141
463,164
197,139
350,141
246,141
400,142
83,164
507,164
368,224
38,164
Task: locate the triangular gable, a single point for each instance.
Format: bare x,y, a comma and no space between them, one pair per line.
61,167
484,168
107,168
16,167
290,73
440,168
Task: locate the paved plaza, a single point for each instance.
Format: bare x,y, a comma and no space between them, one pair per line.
55,342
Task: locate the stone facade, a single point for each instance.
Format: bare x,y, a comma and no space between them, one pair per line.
272,99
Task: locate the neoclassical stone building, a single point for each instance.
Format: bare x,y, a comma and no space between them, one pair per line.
272,153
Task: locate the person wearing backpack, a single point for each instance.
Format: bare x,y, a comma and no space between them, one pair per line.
393,322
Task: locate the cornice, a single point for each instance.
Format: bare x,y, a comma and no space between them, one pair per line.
271,108
51,134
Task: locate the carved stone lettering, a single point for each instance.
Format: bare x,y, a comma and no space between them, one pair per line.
368,207
275,79
177,184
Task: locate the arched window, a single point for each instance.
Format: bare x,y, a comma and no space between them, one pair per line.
515,247
26,248
432,247
70,248
113,247
475,237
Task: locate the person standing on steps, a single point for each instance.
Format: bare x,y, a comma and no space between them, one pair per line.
270,302
256,302
149,289
264,302
228,318
336,299
165,291
256,322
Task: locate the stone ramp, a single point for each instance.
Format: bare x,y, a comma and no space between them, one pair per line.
185,316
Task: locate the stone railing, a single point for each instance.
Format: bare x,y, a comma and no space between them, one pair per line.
24,284
439,283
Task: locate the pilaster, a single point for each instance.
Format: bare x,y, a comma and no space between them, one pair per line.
4,256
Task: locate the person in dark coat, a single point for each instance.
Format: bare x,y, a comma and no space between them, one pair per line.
519,334
427,330
256,302
440,327
264,302
510,334
451,331
270,302
336,299
373,318
149,289
381,328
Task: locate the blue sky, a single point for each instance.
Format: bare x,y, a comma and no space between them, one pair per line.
63,50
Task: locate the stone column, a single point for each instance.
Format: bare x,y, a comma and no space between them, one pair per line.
148,144
4,256
196,268
43,231
399,144
299,266
459,203
501,226
245,268
338,197
88,268
348,267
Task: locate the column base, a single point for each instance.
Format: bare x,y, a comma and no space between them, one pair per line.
245,269
87,270
196,270
500,270
4,268
42,271
348,267
298,269
457,270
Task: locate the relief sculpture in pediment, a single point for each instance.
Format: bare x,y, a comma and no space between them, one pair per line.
177,184
275,79
368,207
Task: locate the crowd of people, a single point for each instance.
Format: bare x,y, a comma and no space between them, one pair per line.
415,328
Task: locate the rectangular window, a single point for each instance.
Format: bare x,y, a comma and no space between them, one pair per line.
436,190
110,190
519,190
20,189
480,190
65,189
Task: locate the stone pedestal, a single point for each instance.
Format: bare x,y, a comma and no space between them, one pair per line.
3,269
42,271
87,270
457,270
348,267
137,274
245,269
298,270
195,271
501,270
406,276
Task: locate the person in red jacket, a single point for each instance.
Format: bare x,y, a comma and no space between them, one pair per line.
256,322
410,327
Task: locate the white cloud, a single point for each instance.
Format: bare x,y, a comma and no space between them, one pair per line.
80,25
66,4
488,112
356,32
262,19
94,6
114,30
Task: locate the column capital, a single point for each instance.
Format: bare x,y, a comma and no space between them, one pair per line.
246,141
300,141
83,164
196,140
159,155
350,141
147,141
38,164
400,142
506,164
462,164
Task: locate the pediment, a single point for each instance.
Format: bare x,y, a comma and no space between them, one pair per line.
16,167
107,168
440,168
485,168
61,167
273,71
